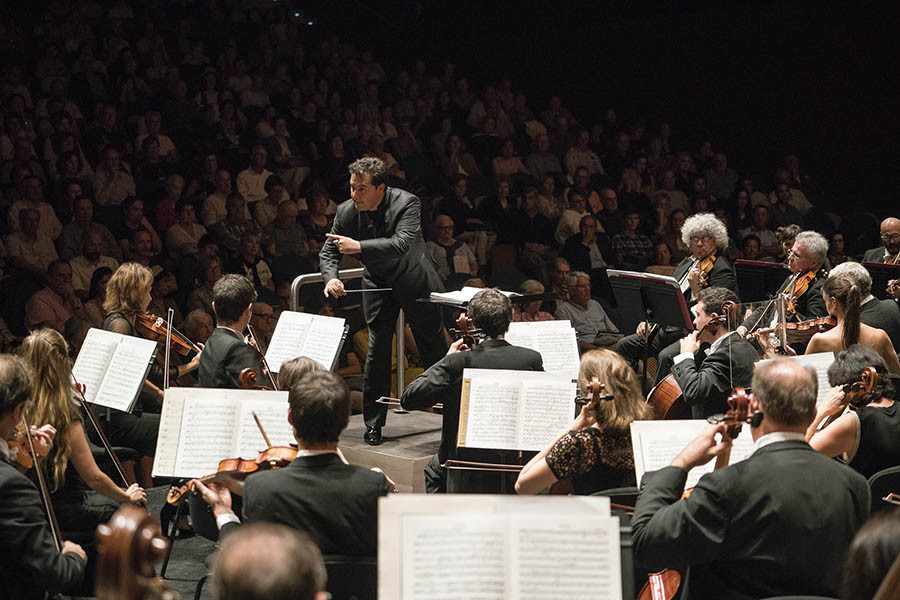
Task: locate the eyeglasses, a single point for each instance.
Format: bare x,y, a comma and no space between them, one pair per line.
701,238
889,236
794,254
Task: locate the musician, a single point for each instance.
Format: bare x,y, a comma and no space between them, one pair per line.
706,266
383,226
491,312
802,288
707,379
881,314
595,451
30,563
226,353
293,568
842,298
744,531
872,554
335,503
865,438
889,250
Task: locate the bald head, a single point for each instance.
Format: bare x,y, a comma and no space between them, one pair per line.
890,234
787,392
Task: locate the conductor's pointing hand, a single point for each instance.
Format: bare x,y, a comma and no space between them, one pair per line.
344,244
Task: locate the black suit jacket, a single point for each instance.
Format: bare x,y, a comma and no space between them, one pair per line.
808,306
442,382
706,387
336,504
30,564
224,356
875,255
778,523
883,314
721,275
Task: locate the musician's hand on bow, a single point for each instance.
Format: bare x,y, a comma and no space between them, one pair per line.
584,419
704,448
73,548
695,278
690,343
344,244
43,438
335,288
216,495
136,494
457,346
643,330
893,288
195,362
79,388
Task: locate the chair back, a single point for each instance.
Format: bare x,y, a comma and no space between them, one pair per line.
881,484
351,577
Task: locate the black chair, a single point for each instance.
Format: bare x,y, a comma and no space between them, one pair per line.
881,484
351,577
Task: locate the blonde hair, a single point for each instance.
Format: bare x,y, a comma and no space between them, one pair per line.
127,289
619,379
47,353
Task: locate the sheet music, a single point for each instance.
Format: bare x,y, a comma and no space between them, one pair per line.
516,410
555,341
820,361
460,297
657,443
200,427
303,334
113,366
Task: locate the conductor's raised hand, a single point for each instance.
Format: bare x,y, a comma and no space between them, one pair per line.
335,288
704,448
344,244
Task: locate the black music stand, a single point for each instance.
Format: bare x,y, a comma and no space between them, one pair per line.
656,299
759,280
881,274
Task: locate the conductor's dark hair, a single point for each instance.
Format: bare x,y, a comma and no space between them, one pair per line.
369,166
294,567
15,382
713,299
491,311
232,294
871,554
849,365
320,407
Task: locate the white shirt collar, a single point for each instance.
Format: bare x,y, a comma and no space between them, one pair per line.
778,436
715,345
868,298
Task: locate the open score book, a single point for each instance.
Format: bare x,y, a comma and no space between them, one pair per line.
112,367
303,334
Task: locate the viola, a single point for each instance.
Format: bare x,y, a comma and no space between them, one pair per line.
466,331
21,451
155,328
857,394
564,486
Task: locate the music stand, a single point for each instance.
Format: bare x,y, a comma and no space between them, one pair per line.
881,274
656,299
759,280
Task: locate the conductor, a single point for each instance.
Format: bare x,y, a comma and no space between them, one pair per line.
383,226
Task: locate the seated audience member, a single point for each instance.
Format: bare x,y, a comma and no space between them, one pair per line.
837,249
595,451
198,326
140,249
93,307
634,251
542,162
507,163
797,198
89,260
182,237
533,235
721,180
785,236
284,235
133,219
842,300
707,379
673,237
201,297
580,155
213,209
265,211
468,226
334,503
872,553
559,270
662,260
491,312
571,217
112,180
750,248
531,311
250,263
32,566
498,210
33,197
550,204
594,202
165,213
865,436
741,532
262,320
592,325
55,304
232,228
251,182
69,242
760,228
451,255
880,314
27,250
162,296
589,249
889,250
293,570
678,200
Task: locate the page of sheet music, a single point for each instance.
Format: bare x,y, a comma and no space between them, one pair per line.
454,557
656,443
126,373
494,403
583,544
303,334
208,436
93,360
169,433
272,409
461,296
548,407
555,341
820,361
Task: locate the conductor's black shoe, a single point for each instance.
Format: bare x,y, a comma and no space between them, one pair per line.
373,436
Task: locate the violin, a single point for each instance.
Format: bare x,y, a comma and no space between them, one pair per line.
466,331
247,379
20,451
706,265
128,546
857,394
801,284
155,328
595,389
801,331
893,286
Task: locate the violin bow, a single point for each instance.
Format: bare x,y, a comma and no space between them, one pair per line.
262,357
45,492
169,318
105,440
261,430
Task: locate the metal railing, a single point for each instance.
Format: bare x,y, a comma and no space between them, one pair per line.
348,275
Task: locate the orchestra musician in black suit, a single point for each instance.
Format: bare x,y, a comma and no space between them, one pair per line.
226,353
491,312
707,379
30,563
742,532
336,504
889,250
382,225
707,238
